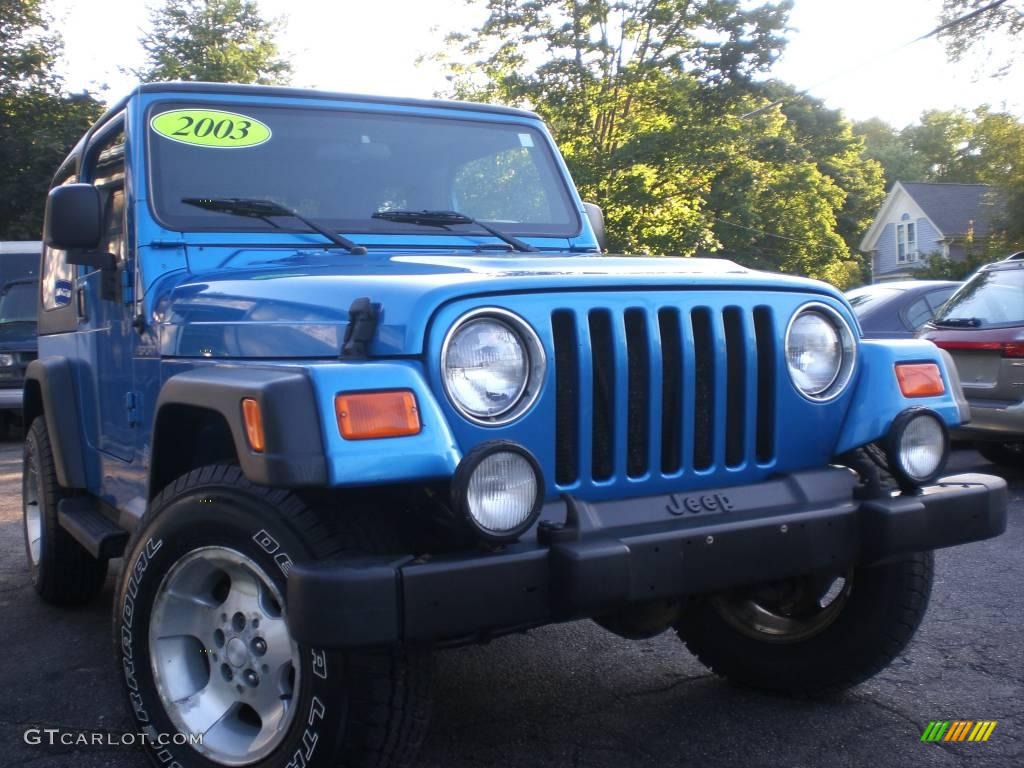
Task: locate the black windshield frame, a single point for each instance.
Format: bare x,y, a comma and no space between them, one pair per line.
559,184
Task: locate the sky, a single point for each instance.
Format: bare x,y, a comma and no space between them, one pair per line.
843,51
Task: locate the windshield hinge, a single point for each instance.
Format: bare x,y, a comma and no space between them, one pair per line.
362,325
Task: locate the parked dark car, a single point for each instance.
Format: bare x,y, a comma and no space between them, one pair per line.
982,326
898,310
19,291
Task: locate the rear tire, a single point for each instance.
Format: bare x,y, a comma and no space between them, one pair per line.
63,571
199,632
749,639
1003,454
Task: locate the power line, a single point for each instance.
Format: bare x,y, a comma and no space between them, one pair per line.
842,73
780,237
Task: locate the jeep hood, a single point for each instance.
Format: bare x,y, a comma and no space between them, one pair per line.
296,306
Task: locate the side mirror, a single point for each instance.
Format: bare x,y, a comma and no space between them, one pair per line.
72,217
73,223
596,217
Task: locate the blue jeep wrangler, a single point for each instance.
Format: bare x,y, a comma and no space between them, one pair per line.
346,379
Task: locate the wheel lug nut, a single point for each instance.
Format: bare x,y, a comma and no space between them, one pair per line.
259,646
251,678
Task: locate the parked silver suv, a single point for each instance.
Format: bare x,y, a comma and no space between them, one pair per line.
982,326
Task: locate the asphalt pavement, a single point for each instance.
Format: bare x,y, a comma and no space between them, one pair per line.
575,695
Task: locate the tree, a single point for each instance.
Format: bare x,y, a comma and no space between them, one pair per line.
890,149
647,101
995,155
975,33
225,41
39,122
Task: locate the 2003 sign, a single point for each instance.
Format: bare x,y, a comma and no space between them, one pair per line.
211,128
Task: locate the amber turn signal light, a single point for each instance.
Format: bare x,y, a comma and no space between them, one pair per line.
253,425
365,415
920,379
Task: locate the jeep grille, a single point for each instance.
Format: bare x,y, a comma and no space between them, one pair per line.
624,379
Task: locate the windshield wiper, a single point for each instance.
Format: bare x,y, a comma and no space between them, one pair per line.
264,209
958,322
447,218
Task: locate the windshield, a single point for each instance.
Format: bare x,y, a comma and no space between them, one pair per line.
989,298
341,167
18,303
869,296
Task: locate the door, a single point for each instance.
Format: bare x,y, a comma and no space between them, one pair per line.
104,304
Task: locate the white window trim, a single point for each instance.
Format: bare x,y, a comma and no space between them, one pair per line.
909,254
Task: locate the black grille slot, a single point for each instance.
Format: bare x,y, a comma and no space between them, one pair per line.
610,363
671,391
638,388
764,334
704,389
563,329
603,358
735,387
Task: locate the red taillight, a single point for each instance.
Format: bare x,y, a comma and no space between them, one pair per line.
1007,348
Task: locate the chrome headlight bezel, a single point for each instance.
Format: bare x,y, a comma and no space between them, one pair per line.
8,359
536,365
847,348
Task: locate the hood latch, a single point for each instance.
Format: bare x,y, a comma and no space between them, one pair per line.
362,325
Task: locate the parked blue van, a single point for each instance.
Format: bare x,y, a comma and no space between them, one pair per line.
19,300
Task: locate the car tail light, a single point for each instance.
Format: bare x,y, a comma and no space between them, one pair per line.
1007,348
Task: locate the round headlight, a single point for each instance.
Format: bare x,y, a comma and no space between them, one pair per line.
499,489
6,361
918,446
820,352
492,364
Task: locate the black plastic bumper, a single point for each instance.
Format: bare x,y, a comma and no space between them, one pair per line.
585,559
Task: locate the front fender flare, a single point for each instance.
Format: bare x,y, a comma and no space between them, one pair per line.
294,454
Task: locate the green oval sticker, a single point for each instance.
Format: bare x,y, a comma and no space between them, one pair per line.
211,128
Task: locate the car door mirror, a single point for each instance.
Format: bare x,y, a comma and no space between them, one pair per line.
73,218
74,224
596,217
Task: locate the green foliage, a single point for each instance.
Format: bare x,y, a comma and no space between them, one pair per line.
1005,21
39,123
647,101
221,41
939,267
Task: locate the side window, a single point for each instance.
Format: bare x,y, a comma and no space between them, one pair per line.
937,298
504,186
918,313
57,278
108,176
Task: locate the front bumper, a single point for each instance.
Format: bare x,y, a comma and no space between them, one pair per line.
586,559
10,399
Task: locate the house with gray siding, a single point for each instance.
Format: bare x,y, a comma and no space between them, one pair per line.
919,219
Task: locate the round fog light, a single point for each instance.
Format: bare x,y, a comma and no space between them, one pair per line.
918,446
499,490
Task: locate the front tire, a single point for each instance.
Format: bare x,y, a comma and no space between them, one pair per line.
63,571
813,636
200,634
